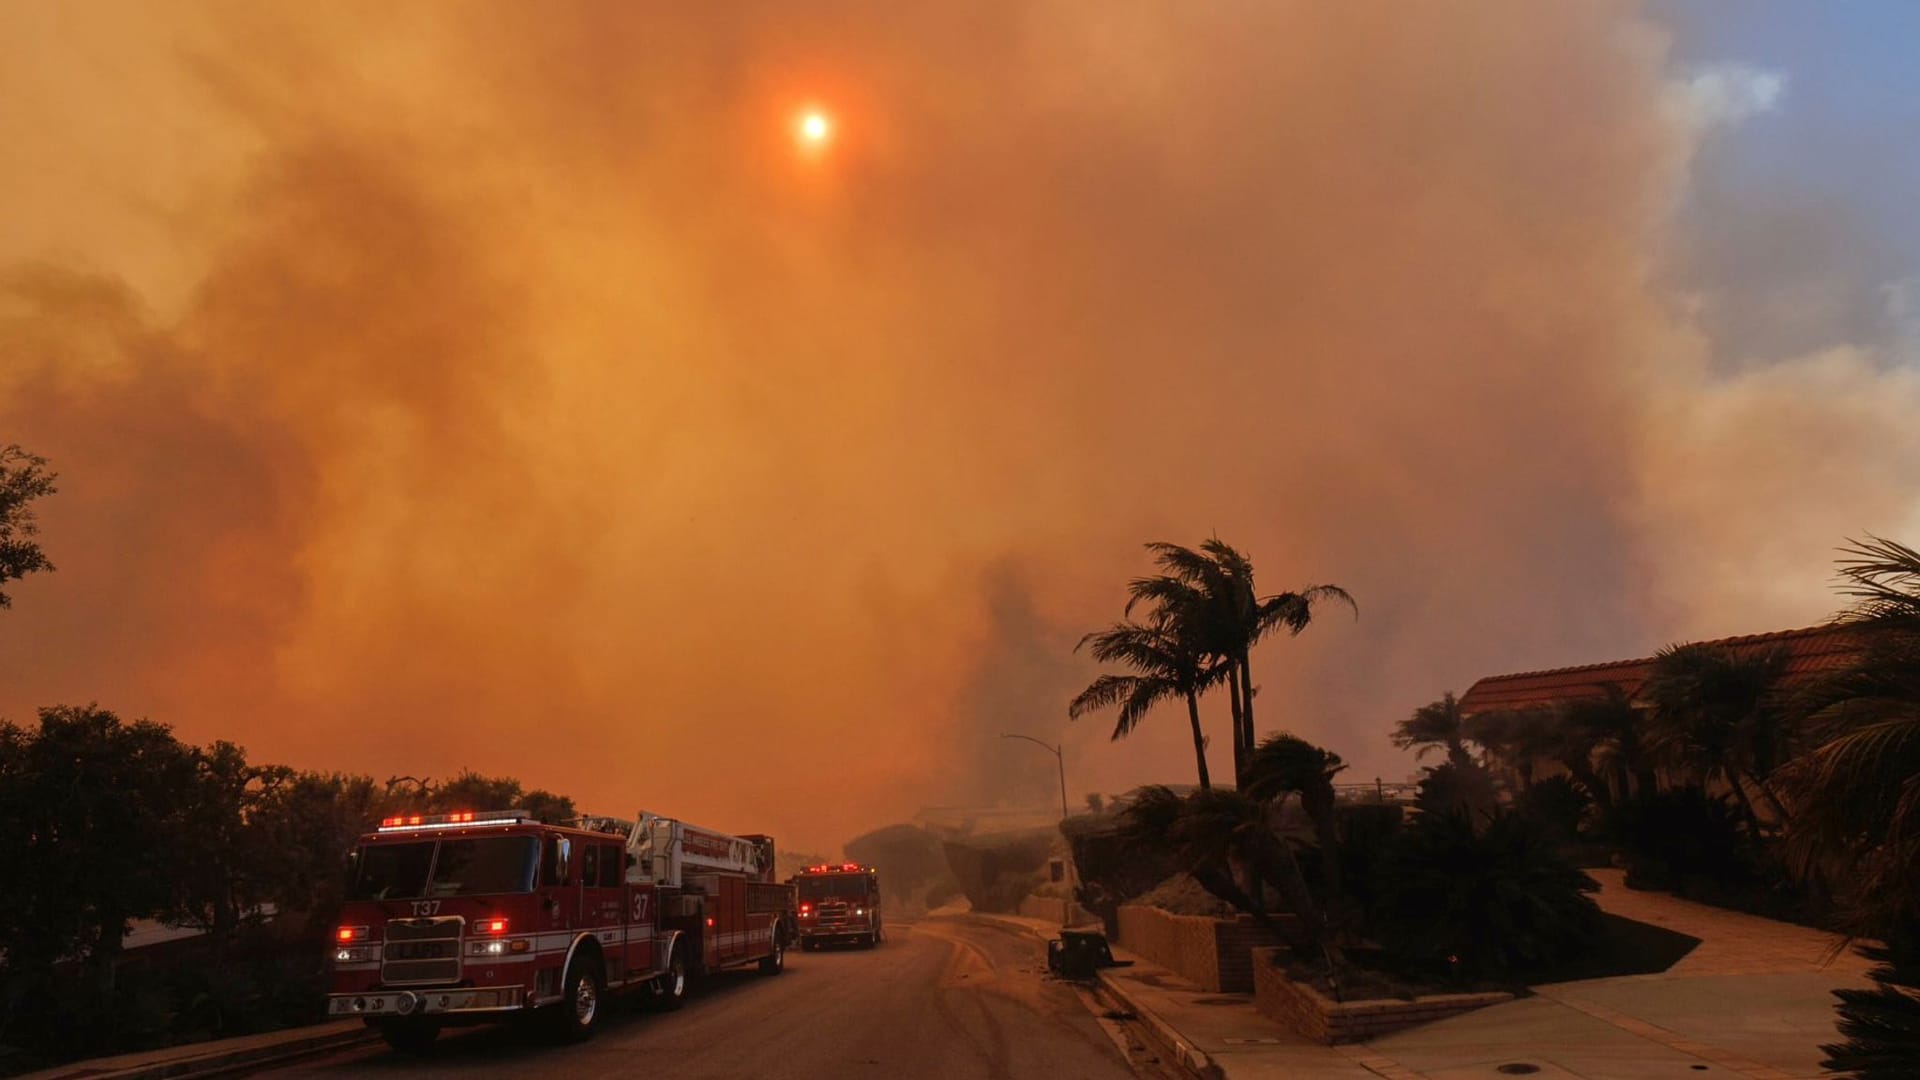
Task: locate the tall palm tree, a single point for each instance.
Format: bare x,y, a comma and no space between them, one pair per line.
1210,594
1285,765
1716,713
1436,725
1166,666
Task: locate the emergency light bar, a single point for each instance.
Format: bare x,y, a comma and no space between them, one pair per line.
843,868
455,820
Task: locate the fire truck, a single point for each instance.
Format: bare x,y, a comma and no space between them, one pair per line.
471,917
839,904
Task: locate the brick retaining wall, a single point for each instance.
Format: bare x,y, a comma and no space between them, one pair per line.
1215,953
1304,1010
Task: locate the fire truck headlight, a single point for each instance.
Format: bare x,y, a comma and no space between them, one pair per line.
859,911
359,955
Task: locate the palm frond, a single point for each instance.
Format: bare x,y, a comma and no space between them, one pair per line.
1883,578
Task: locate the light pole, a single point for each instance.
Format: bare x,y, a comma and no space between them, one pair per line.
1060,759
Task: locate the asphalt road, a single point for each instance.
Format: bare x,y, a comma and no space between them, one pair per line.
944,998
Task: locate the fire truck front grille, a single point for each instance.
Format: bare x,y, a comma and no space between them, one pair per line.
422,950
834,913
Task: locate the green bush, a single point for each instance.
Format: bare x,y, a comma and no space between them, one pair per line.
1463,903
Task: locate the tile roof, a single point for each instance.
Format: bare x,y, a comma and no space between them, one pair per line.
1811,651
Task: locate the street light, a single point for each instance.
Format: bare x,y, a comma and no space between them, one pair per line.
1060,759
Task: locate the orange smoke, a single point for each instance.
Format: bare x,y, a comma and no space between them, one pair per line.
498,389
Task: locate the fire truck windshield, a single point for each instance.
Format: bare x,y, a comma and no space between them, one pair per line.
407,871
828,886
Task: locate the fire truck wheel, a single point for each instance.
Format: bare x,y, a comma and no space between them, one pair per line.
774,962
410,1036
670,992
581,1003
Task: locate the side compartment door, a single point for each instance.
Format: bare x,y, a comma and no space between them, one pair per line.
603,890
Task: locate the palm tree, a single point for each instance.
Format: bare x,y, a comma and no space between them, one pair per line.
1216,831
1210,596
1167,667
1858,800
1517,738
1615,736
1436,725
1285,765
1858,792
1715,714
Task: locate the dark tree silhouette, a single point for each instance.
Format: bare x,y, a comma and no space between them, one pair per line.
1166,665
23,479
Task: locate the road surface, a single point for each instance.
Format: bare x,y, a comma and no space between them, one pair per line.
952,998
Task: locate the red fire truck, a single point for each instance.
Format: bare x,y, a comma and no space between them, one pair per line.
478,916
839,904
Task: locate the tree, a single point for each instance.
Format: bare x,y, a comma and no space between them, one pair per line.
1284,765
23,478
1209,598
1857,792
1715,714
1608,735
1517,738
1881,1025
1166,665
226,862
95,807
1217,832
1436,725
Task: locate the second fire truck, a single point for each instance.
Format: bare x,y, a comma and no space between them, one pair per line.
477,916
839,905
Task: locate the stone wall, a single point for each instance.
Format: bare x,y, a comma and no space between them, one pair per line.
1215,953
1304,1010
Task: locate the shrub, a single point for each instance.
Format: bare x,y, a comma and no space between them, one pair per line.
1455,787
1881,1025
1464,903
1114,864
1665,836
1558,804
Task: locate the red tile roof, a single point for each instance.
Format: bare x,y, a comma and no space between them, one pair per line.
1811,651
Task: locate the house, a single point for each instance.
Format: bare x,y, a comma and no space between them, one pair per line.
1810,653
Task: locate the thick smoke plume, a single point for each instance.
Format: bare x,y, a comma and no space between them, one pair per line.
495,385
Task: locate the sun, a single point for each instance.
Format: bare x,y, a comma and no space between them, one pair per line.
813,128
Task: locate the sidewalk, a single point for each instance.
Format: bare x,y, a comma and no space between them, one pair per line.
208,1058
1753,1000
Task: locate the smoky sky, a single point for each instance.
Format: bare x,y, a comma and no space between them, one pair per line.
499,387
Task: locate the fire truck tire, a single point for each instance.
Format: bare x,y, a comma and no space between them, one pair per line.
583,998
410,1036
870,941
671,993
774,962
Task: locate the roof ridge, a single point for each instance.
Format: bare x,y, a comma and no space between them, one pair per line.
1741,639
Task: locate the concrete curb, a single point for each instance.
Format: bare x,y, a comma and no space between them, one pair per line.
1190,1057
213,1058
